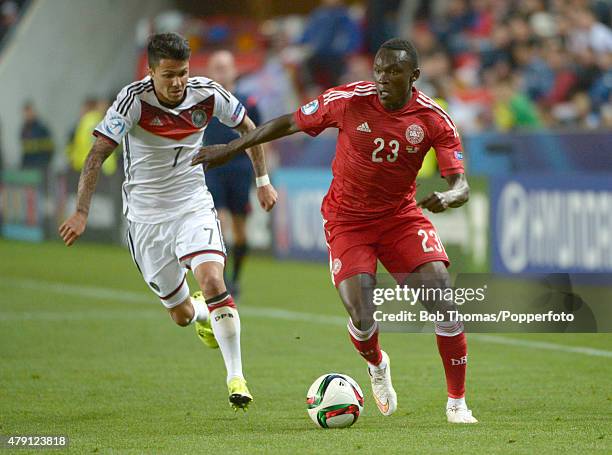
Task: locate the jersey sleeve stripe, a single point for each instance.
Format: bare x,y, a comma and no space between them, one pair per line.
442,114
356,89
224,95
432,102
340,95
220,88
359,82
131,88
127,102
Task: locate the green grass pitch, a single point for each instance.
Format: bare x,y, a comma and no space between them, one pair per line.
87,351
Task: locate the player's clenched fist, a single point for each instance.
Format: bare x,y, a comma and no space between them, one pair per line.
73,227
213,155
267,196
435,202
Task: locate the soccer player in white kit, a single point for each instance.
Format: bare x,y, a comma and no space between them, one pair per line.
172,221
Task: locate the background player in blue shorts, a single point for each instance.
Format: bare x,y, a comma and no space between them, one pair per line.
230,184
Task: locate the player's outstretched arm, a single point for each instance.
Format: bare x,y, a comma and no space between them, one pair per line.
74,226
457,195
266,194
216,155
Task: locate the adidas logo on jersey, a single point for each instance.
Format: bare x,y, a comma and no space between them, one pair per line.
364,128
156,122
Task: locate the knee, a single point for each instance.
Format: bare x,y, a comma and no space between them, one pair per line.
182,314
433,275
212,285
210,278
361,316
355,293
180,320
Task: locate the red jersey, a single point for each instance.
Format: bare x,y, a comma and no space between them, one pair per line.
379,152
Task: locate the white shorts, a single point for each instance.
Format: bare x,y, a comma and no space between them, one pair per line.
163,251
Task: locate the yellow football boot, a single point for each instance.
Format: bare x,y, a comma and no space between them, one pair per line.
204,329
239,395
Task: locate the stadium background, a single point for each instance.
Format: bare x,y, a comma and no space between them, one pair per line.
529,84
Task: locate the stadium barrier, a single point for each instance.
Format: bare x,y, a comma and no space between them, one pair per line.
542,151
34,203
21,205
551,223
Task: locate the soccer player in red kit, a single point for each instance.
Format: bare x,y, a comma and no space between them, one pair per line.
385,129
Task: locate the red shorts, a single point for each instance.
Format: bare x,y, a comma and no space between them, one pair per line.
401,242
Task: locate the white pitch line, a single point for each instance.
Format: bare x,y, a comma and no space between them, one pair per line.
541,345
100,293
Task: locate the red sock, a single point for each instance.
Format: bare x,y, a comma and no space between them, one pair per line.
453,351
366,342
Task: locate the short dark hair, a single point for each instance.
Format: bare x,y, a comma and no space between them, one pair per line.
167,45
398,44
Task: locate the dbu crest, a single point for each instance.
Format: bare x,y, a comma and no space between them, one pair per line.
415,134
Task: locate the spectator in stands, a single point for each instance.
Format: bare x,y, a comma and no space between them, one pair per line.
512,109
381,22
452,28
587,32
606,115
329,37
36,140
88,105
9,14
535,73
601,89
554,48
83,139
564,75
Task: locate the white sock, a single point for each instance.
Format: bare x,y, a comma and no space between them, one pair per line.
456,402
200,311
381,366
226,325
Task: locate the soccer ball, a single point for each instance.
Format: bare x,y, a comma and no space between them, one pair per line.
334,401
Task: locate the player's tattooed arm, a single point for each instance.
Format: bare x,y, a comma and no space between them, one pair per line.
100,151
457,195
216,155
74,226
266,194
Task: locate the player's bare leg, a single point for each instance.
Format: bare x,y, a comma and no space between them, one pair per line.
451,341
226,327
356,295
189,311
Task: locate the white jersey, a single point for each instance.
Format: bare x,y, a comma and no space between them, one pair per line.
159,142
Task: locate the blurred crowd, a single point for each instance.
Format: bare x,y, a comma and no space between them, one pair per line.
510,65
498,65
495,65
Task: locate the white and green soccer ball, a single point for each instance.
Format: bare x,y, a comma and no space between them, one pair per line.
334,400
